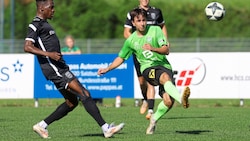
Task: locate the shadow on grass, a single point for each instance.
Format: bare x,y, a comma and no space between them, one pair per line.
204,117
95,135
92,135
194,132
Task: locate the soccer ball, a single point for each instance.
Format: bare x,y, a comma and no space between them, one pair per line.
215,11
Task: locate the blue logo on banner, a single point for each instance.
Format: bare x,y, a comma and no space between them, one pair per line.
119,81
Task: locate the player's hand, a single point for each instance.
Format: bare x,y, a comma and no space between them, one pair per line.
147,47
102,71
55,55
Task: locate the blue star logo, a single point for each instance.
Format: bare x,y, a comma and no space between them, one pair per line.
18,66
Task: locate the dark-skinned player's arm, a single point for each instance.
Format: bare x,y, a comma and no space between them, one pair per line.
30,48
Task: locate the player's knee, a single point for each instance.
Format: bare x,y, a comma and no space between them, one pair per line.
72,103
168,102
84,96
164,78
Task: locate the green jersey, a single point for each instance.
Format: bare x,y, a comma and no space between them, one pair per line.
67,49
155,37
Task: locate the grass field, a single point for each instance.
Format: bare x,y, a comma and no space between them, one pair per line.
205,120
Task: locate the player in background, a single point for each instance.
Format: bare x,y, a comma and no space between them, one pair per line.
70,47
154,17
42,41
149,45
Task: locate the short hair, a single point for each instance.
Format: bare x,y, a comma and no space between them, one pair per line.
69,37
41,1
38,2
136,12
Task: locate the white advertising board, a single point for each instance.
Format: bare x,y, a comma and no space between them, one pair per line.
211,75
16,76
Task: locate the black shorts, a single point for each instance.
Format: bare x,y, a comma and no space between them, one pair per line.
61,82
137,66
152,74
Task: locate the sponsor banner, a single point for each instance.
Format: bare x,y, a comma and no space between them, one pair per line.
209,75
212,75
117,82
16,76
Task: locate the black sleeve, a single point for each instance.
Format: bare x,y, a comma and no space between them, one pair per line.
128,22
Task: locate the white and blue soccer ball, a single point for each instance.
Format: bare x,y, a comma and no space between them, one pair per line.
215,11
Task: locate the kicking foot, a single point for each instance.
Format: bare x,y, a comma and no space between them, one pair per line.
185,96
41,131
113,129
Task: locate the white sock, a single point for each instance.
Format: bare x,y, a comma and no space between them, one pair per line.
105,127
150,111
43,124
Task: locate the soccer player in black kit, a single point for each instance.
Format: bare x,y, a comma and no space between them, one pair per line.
42,41
154,17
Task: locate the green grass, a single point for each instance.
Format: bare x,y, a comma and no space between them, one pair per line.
205,120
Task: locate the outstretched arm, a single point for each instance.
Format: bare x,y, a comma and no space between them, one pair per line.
116,63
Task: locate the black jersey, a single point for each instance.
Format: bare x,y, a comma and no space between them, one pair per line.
44,37
154,17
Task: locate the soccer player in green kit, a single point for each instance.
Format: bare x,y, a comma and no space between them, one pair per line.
149,45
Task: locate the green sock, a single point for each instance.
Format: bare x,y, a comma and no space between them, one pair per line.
172,91
162,109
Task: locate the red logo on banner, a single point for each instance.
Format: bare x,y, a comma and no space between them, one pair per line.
194,73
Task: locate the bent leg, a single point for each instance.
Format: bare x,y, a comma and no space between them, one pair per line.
88,103
162,109
70,103
169,87
164,106
143,86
